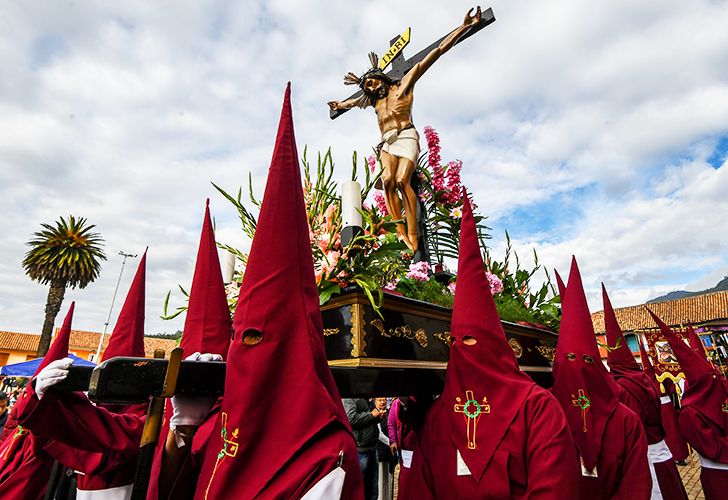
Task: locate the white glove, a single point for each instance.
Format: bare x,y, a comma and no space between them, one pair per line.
188,410
51,375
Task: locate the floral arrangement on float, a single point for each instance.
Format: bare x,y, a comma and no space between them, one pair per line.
374,260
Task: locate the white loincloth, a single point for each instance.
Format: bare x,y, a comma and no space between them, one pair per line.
118,493
404,144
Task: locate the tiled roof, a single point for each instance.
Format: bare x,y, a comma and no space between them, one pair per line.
689,310
80,340
14,341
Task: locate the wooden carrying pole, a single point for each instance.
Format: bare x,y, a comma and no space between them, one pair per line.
153,425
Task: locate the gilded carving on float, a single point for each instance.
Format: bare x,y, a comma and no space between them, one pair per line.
516,346
419,335
444,337
547,352
358,345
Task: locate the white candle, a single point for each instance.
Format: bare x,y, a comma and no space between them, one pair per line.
227,265
350,204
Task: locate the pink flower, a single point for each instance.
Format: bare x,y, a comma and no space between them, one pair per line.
392,285
381,204
331,259
496,285
419,271
453,180
433,144
438,178
372,161
451,287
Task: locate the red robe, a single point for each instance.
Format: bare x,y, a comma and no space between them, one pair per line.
621,467
640,400
102,445
711,442
673,436
25,476
535,459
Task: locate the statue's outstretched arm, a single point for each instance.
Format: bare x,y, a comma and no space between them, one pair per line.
419,69
336,105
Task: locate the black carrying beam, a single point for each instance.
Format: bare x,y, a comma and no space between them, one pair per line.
400,66
133,380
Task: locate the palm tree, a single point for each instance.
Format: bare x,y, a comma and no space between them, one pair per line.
65,255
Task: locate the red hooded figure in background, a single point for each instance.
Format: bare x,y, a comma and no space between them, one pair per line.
609,437
493,433
642,397
283,430
207,330
704,414
25,467
101,442
673,437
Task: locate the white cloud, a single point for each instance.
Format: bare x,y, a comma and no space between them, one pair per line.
124,114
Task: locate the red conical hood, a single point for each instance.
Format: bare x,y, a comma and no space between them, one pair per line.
647,367
705,393
695,343
59,349
619,355
279,391
127,339
582,385
482,379
560,285
207,325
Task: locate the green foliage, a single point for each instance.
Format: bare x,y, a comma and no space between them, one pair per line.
428,291
519,301
67,252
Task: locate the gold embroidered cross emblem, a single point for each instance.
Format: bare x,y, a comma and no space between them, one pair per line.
229,448
471,410
583,403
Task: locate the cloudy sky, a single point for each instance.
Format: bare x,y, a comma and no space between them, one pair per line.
599,129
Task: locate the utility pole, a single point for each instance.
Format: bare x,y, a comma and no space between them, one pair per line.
97,356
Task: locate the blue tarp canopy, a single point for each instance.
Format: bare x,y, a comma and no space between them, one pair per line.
28,368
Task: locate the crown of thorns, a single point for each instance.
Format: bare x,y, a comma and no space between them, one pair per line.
374,72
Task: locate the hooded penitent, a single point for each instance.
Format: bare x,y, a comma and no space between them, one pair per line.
207,330
102,441
641,396
490,413
283,424
706,393
483,383
624,367
207,325
581,383
58,350
127,338
24,466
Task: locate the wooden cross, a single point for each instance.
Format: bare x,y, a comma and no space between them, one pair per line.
583,403
471,410
400,65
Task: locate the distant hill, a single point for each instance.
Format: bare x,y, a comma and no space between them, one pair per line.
680,294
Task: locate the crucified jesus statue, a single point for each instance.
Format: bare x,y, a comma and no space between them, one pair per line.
399,147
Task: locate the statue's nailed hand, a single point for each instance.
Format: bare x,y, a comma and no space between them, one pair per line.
471,19
334,105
